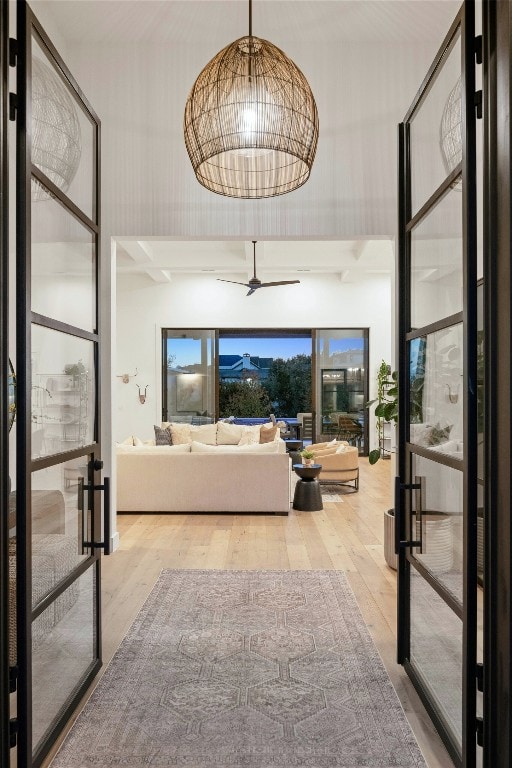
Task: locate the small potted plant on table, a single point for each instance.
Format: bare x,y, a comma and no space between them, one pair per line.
307,457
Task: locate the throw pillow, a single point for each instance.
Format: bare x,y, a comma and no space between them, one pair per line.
162,436
228,434
439,434
137,441
341,449
250,435
204,433
268,435
180,433
127,441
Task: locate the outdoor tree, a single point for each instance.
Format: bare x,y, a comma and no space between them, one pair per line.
289,385
243,399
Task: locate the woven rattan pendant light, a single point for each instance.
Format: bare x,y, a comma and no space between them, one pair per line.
251,122
56,134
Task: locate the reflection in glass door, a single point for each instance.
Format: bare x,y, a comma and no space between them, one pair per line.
57,650
436,491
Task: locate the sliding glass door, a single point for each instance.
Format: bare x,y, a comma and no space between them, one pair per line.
341,385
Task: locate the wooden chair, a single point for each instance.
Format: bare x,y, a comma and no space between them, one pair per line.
349,430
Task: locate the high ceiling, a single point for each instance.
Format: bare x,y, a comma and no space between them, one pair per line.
136,61
304,21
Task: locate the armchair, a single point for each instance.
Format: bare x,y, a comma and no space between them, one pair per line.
339,467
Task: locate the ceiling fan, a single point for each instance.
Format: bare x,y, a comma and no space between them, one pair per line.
254,283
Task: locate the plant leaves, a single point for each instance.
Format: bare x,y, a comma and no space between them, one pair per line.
374,456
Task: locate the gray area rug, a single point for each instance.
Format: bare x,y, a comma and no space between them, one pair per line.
237,669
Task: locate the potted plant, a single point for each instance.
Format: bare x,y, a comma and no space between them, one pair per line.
386,409
307,457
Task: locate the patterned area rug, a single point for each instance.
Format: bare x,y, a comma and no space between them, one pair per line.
245,669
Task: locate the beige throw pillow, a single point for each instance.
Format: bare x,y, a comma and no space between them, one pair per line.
228,434
250,435
180,433
268,435
204,433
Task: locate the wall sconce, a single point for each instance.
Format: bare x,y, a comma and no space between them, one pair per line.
125,377
142,397
453,395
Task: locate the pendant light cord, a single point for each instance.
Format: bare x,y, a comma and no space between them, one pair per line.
250,18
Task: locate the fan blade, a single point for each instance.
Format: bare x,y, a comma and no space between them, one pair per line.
252,289
279,282
231,281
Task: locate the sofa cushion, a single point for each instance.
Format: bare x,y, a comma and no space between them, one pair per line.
162,436
272,447
185,433
250,435
228,434
180,433
204,433
268,434
153,450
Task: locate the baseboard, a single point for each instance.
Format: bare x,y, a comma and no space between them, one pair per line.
114,542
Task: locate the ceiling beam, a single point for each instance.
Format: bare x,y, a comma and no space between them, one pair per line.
159,275
138,250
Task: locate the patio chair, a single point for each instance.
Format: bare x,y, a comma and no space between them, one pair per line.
306,425
349,430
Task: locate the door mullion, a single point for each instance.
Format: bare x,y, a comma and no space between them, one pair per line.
469,723
4,367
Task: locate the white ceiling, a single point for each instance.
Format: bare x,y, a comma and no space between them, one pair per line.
346,260
333,224
304,21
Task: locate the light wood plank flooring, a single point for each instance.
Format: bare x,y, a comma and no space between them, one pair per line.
344,536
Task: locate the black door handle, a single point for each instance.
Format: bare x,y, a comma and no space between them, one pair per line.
399,487
105,544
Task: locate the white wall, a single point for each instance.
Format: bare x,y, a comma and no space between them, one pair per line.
199,301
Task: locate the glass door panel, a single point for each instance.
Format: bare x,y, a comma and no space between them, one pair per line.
437,523
436,391
63,392
64,133
189,379
64,651
63,265
436,262
341,383
435,129
60,524
436,652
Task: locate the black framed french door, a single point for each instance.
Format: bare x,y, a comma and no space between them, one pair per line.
436,494
56,542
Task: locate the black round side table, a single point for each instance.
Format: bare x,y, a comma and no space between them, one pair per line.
307,497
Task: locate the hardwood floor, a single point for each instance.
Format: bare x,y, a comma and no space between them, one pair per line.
346,535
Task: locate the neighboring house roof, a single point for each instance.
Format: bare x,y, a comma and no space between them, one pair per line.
228,361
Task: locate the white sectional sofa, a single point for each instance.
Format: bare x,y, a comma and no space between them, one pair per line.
192,476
